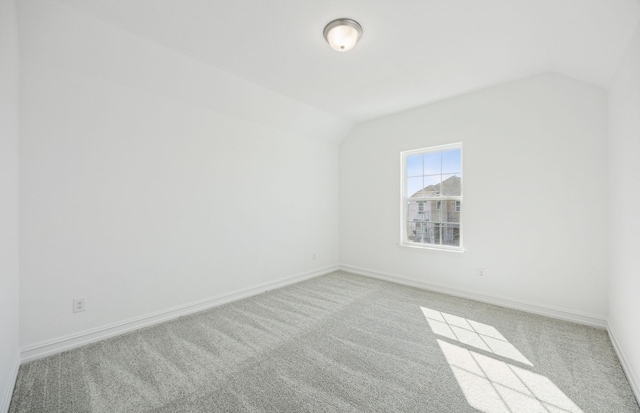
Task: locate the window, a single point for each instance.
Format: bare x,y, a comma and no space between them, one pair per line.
432,197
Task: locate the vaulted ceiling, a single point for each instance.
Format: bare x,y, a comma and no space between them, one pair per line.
411,52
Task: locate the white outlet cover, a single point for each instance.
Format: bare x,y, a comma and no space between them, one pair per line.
78,305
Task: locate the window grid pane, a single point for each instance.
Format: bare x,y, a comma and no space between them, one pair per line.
432,179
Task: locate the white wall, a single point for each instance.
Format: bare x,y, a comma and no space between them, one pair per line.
533,214
624,192
9,90
141,190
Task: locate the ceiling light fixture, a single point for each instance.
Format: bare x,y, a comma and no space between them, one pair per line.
342,34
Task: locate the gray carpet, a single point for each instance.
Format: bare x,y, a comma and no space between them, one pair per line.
338,343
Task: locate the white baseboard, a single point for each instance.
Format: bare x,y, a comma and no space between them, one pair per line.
631,378
548,311
61,344
5,401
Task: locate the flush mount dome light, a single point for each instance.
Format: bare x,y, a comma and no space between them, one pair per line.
342,34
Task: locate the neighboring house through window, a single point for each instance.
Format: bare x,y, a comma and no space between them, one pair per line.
432,197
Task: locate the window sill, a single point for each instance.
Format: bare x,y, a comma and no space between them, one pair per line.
419,248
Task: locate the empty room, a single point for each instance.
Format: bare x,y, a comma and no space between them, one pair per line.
320,206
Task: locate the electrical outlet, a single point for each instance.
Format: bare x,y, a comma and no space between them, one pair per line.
481,272
78,305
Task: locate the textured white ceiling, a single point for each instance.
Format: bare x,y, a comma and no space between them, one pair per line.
411,52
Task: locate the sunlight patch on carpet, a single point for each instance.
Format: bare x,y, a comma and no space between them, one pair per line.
491,385
472,333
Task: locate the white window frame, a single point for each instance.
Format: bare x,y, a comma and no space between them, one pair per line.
404,240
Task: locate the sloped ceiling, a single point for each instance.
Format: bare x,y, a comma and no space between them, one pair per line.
411,53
